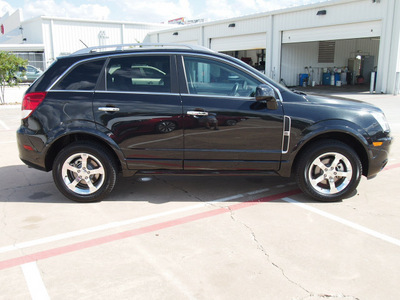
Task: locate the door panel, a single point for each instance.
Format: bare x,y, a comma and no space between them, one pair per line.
232,130
140,113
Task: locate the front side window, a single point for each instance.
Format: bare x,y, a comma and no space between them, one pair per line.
209,77
139,74
82,77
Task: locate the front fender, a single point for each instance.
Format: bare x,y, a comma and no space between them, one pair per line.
343,130
330,127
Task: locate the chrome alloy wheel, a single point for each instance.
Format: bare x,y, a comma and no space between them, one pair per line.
83,173
330,173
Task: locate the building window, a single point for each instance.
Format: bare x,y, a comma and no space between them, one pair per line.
35,59
326,52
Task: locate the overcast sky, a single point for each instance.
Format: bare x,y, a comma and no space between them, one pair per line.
146,10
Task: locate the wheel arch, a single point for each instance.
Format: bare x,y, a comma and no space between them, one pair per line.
65,140
343,137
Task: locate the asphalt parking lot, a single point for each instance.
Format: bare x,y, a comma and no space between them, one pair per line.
198,237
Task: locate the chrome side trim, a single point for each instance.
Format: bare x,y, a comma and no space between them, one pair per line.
233,98
105,56
136,93
74,91
172,52
287,126
113,92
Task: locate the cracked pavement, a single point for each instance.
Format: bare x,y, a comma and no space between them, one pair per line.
264,251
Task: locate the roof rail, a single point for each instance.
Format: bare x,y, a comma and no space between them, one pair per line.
124,47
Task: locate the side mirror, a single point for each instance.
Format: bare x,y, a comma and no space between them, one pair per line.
266,93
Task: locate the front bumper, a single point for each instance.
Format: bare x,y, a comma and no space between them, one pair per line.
379,157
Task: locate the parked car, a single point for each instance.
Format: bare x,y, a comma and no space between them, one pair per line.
19,76
27,74
86,122
32,73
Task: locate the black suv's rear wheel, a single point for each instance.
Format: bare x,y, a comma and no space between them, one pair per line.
84,172
328,171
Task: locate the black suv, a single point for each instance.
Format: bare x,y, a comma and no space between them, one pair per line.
162,109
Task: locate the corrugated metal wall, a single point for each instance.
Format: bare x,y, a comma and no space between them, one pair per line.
337,12
241,27
337,32
63,36
185,36
235,43
67,35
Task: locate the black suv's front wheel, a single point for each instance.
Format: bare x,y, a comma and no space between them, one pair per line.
329,170
84,172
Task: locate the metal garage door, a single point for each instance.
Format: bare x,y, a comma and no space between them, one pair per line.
239,42
337,32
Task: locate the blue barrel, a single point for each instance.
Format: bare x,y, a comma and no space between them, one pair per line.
303,78
337,78
326,78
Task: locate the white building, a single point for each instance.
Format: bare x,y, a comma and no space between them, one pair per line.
41,40
362,35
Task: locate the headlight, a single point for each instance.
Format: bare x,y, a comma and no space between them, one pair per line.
381,119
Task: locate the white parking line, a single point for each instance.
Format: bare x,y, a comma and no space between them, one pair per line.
35,283
76,233
353,225
4,125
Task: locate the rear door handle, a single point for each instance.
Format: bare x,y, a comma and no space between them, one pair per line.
109,109
197,113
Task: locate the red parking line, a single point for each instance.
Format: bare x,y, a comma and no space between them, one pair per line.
391,167
130,233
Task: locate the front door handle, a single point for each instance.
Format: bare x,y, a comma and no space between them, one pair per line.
109,109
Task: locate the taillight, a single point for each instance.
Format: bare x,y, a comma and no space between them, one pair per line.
31,102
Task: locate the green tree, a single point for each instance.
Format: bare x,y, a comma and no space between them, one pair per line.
9,66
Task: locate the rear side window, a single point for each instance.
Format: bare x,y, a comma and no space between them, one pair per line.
82,77
139,74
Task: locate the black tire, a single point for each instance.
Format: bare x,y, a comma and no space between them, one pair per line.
328,171
90,162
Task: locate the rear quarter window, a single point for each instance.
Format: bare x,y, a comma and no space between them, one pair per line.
82,77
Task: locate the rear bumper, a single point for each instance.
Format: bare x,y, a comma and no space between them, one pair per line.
30,150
